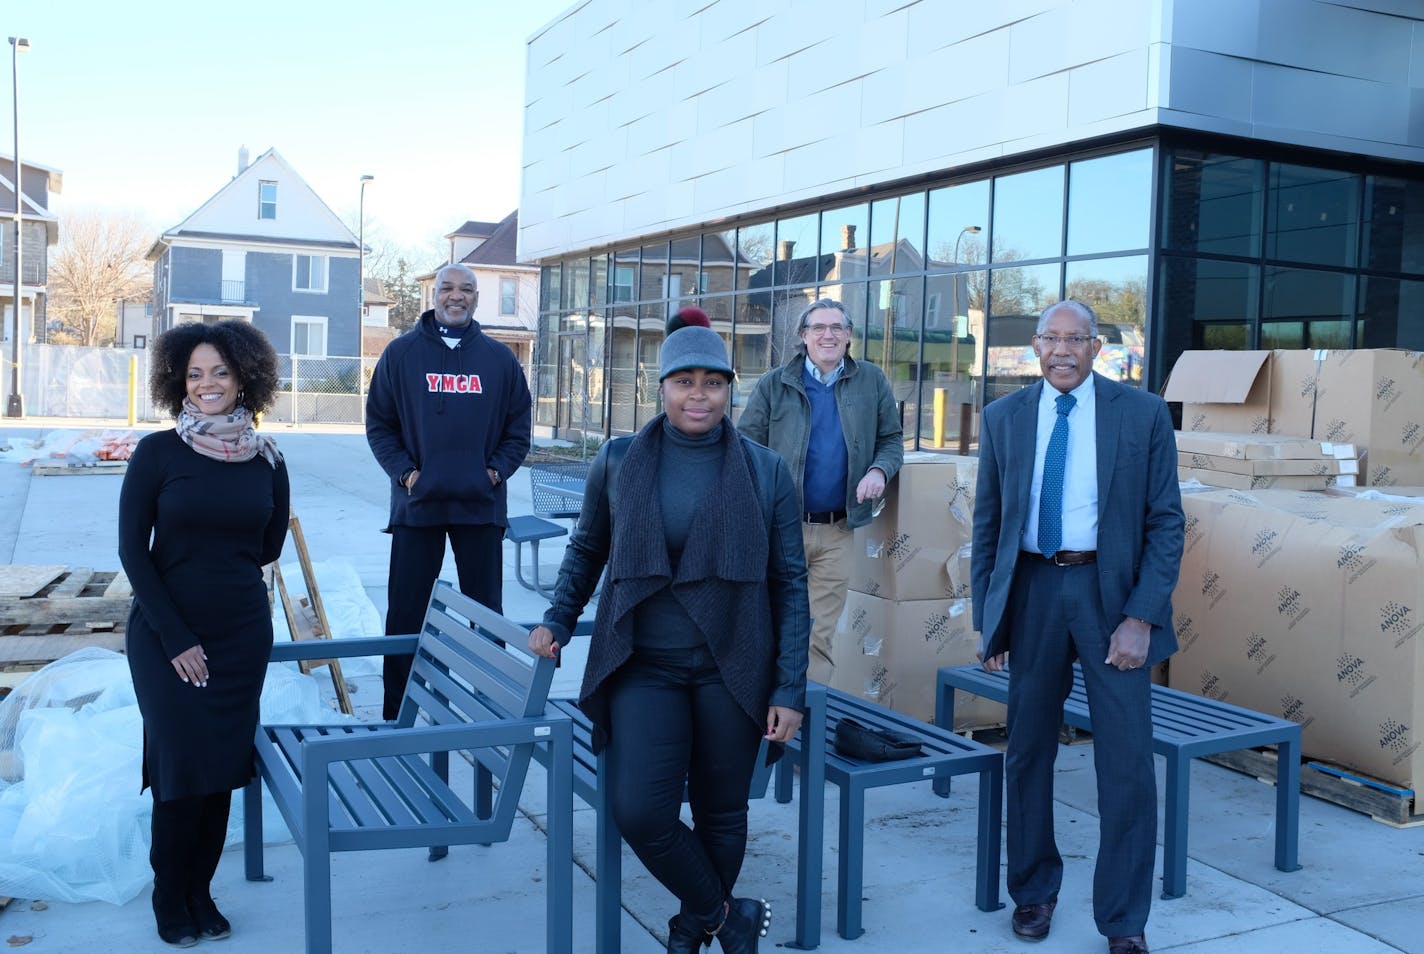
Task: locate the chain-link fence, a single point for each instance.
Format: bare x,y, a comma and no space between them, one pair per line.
79,381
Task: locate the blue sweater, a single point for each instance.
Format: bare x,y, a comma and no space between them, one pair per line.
451,413
823,487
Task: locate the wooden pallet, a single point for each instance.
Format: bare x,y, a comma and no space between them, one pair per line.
69,468
49,611
306,617
1394,806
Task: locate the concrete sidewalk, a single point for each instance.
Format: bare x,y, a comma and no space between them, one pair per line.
1360,889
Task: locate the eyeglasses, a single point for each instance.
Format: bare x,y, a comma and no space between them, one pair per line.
1072,341
819,330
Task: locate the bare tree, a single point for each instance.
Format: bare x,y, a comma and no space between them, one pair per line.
99,262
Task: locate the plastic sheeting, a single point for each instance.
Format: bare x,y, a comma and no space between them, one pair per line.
74,825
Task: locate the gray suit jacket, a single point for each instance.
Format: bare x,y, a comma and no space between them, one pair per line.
1140,522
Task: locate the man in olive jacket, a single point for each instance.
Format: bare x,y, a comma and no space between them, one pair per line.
835,422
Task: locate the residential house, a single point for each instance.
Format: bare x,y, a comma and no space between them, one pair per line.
509,292
266,249
41,228
376,330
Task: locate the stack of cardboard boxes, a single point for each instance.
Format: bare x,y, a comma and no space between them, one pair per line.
908,610
1294,602
1372,399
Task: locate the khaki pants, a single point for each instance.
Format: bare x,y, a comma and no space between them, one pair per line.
828,562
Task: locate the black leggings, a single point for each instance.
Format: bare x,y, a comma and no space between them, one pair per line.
188,837
672,723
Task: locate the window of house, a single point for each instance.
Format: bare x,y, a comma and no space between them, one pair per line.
508,296
309,336
622,283
266,199
309,273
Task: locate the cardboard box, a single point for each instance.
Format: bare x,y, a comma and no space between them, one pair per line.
1261,446
889,652
1223,390
1309,606
917,547
1290,467
1223,478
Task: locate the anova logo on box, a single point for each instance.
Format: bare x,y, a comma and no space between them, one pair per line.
1350,669
1291,605
1293,708
897,547
859,620
1186,632
1386,390
1397,620
1245,500
1394,736
870,587
1211,588
1308,385
1191,531
1336,431
1412,436
1211,686
959,489
1258,652
1198,422
1264,545
938,629
1352,560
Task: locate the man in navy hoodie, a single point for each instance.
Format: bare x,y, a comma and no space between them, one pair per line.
448,418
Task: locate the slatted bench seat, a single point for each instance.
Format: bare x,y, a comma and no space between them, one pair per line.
587,772
361,787
1184,727
530,529
944,755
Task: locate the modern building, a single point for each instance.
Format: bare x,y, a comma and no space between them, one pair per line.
266,249
1207,174
509,291
41,231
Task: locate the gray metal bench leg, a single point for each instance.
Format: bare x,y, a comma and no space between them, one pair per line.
608,872
850,875
1174,826
252,830
812,822
440,762
316,866
944,718
991,816
560,886
1288,804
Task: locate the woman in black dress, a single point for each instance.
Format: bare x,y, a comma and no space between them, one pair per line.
203,508
700,644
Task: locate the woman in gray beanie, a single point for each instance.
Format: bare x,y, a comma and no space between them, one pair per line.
701,637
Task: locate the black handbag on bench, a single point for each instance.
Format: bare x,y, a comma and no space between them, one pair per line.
859,741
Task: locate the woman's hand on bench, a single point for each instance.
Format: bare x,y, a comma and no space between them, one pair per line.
541,642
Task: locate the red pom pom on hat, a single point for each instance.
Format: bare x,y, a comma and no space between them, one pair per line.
686,317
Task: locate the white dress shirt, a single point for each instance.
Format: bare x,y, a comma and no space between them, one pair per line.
1080,477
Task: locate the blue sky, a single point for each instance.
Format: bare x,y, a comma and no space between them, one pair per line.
143,106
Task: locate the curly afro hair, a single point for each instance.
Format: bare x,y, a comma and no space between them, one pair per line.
246,351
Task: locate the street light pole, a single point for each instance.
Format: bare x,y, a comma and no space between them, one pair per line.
361,295
16,405
954,293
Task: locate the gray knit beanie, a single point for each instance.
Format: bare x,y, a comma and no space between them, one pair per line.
693,347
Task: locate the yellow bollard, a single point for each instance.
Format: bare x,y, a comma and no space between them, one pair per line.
939,406
133,390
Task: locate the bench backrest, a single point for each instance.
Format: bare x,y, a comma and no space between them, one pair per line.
546,503
472,666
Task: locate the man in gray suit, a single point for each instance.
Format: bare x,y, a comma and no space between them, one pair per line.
1078,533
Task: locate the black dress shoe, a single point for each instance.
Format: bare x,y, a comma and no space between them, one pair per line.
1137,944
1031,921
212,926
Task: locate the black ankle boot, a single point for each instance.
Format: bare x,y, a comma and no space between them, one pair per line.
684,937
212,926
175,924
747,922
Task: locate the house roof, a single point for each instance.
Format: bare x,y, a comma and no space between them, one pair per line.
500,248
375,292
473,229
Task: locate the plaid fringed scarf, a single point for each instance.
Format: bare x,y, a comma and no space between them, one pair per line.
226,437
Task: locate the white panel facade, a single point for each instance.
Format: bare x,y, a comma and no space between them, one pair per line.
642,119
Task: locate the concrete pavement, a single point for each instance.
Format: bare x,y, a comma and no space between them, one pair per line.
1360,888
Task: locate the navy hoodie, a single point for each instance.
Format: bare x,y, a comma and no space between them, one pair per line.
451,413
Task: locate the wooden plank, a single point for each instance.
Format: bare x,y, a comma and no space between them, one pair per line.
22,581
80,609
119,588
73,583
65,468
20,649
1396,810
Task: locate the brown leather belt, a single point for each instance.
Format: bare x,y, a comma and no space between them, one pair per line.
1063,557
825,516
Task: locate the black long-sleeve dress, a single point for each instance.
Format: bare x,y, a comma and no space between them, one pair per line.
213,525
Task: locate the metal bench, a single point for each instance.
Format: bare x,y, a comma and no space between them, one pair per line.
608,893
944,755
545,482
362,787
1184,727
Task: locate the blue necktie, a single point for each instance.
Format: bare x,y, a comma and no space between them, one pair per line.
1050,495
